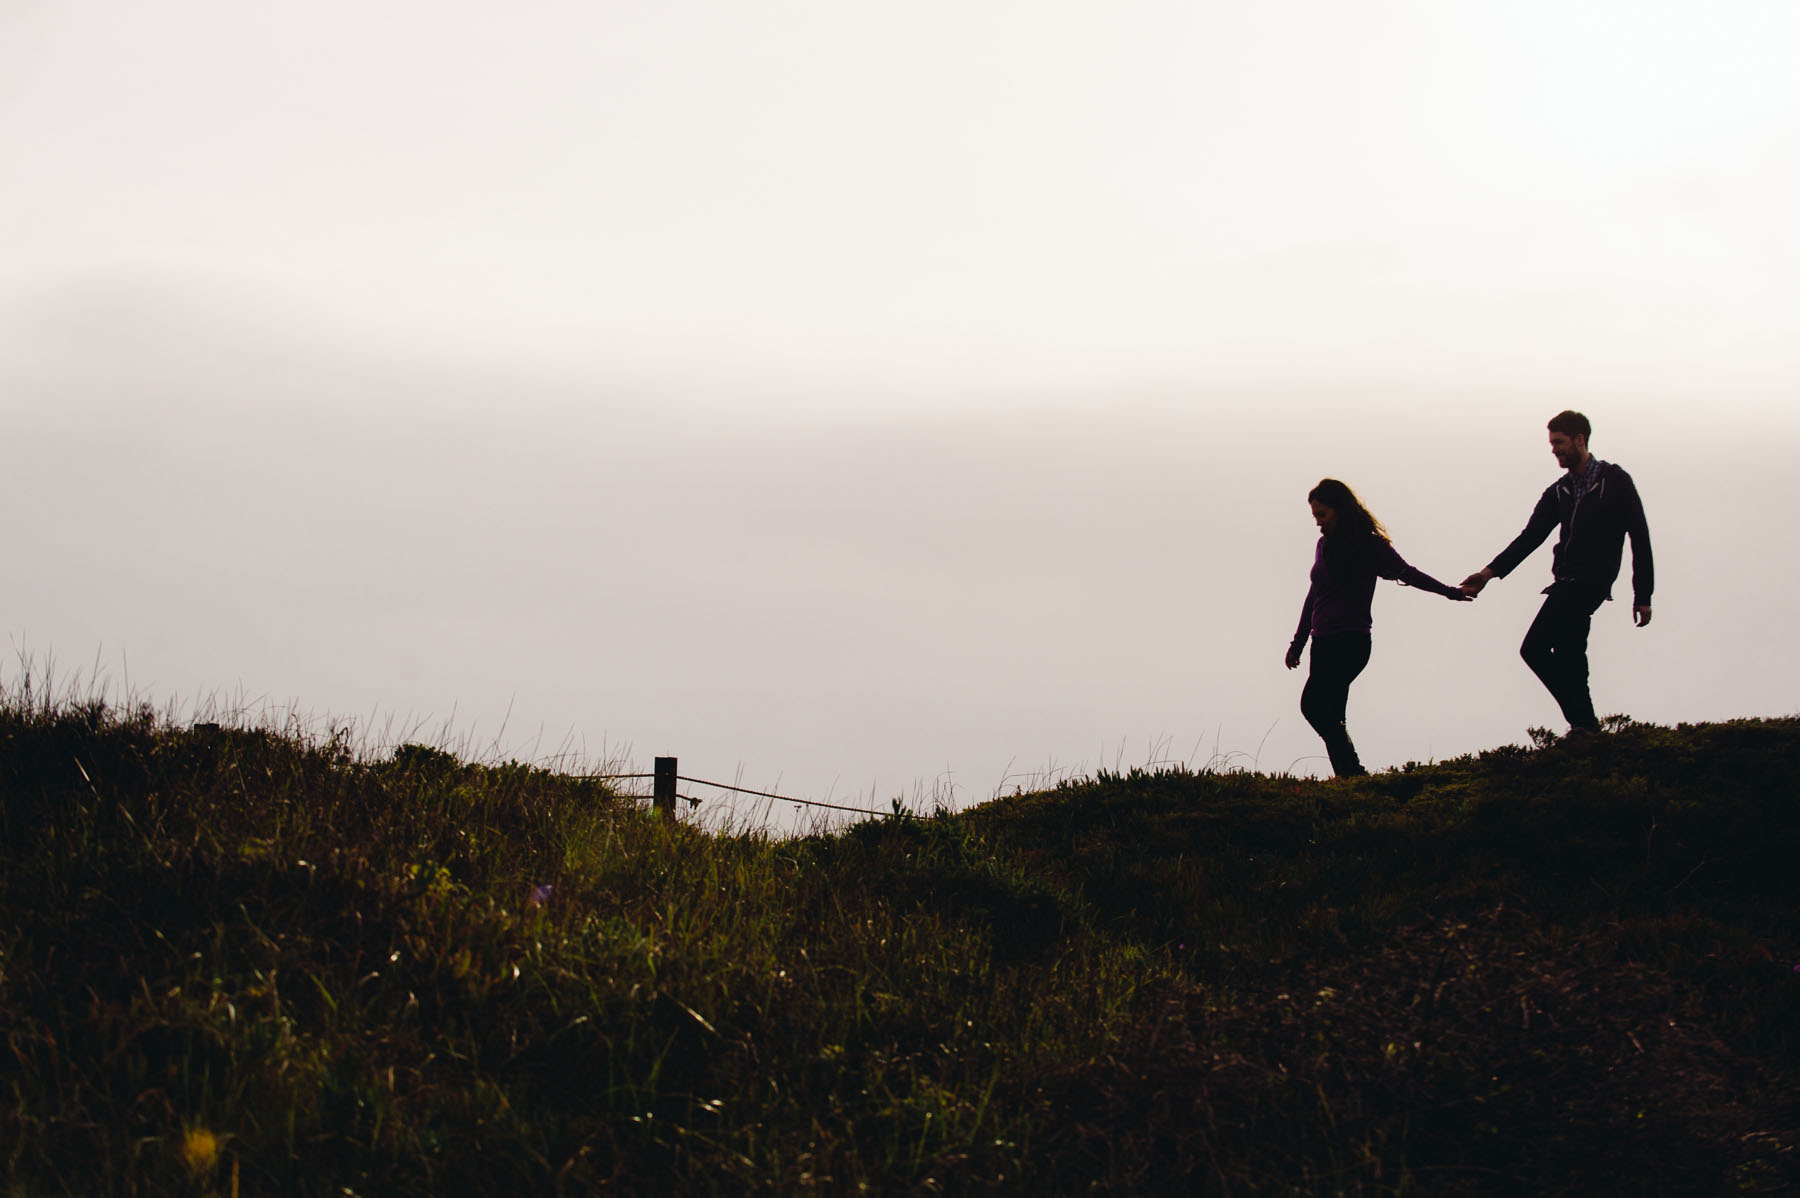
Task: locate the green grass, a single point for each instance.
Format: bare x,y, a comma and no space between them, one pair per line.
241,960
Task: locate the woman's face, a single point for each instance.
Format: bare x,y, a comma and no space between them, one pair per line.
1324,517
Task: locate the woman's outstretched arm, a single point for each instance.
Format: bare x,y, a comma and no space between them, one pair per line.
1389,564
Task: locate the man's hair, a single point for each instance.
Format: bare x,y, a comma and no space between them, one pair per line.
1570,424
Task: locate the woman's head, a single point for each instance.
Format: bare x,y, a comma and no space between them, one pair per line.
1339,513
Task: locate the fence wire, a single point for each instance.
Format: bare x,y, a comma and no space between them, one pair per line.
743,790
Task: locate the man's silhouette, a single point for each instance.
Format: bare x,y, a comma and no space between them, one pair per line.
1597,507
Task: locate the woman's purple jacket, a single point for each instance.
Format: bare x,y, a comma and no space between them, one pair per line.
1339,600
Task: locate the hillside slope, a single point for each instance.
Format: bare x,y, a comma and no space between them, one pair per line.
237,962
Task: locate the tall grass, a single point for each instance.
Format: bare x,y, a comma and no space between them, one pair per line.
238,959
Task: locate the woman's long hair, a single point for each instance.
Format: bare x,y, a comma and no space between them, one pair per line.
1356,524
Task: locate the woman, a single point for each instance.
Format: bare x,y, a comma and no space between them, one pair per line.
1353,552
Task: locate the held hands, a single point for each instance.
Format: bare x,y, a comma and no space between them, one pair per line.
1471,586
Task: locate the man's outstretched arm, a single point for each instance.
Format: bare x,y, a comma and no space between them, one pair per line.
1544,517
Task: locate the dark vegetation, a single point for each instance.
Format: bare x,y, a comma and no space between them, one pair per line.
237,962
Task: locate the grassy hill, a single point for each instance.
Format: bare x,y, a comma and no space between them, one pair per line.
233,962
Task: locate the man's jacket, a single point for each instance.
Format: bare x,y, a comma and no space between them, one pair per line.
1594,528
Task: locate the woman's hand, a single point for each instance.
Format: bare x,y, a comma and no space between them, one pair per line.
1293,656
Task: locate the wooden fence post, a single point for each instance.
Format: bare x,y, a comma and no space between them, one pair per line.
664,791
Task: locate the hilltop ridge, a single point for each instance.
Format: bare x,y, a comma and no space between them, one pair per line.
237,961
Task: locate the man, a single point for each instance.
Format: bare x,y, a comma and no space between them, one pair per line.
1597,507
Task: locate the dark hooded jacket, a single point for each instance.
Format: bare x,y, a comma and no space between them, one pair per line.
1594,528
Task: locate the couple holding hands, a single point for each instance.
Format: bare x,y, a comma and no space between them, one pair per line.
1596,506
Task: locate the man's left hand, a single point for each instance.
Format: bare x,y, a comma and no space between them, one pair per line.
1640,615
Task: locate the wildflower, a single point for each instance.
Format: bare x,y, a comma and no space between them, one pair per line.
199,1151
540,895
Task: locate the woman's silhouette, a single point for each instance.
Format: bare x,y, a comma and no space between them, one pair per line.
1353,551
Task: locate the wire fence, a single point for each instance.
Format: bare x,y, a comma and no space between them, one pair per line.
665,793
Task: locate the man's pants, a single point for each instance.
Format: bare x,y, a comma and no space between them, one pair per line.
1337,658
1555,647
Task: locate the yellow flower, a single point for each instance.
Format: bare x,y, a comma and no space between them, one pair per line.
199,1151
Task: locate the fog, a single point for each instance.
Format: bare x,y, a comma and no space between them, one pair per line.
862,405
850,605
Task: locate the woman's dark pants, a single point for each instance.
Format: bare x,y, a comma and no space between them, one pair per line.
1555,648
1337,658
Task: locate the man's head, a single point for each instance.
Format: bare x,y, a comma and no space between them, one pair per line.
1569,439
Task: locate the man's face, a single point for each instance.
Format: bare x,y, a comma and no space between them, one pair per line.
1568,450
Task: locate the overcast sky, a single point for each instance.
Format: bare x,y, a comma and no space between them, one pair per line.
870,400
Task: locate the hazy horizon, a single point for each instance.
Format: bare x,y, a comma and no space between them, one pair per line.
854,403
